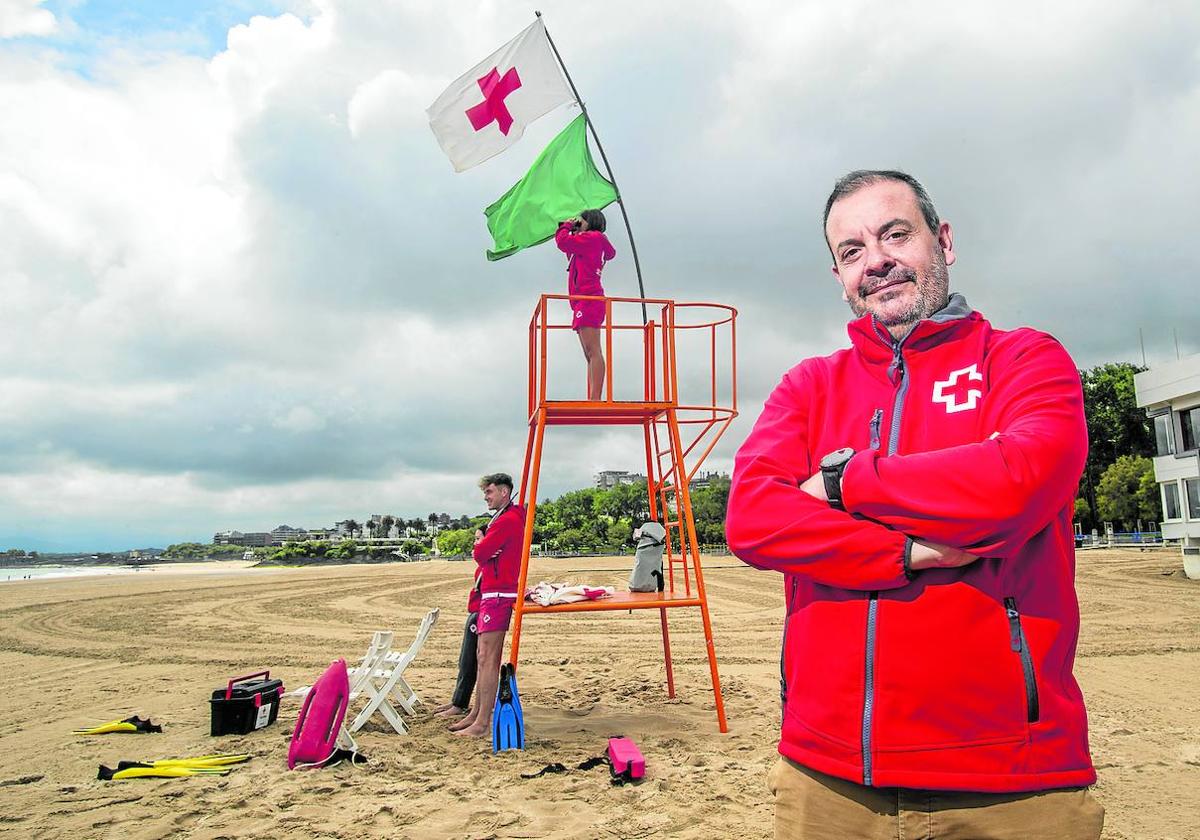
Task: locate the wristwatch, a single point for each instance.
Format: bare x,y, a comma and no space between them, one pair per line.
833,466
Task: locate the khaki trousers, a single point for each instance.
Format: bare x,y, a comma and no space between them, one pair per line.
812,806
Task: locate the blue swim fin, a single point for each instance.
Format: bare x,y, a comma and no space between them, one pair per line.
508,724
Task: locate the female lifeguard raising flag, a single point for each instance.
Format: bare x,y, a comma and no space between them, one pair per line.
485,110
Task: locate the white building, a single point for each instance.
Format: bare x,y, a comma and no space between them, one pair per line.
1170,393
286,533
257,538
608,479
704,479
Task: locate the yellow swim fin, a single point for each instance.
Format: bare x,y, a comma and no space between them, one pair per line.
173,768
129,724
136,770
219,760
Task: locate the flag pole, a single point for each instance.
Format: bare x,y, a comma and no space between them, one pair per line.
620,201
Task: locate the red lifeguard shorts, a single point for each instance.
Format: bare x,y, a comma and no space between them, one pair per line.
495,613
587,313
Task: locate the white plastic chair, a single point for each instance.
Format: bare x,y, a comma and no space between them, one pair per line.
381,646
385,682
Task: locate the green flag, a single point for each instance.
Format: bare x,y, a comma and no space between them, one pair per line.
561,182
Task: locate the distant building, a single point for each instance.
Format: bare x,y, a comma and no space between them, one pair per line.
608,479
286,533
703,479
255,539
1170,393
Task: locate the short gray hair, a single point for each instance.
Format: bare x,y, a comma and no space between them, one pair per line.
854,181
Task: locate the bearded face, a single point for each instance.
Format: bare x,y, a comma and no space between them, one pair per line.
901,296
887,260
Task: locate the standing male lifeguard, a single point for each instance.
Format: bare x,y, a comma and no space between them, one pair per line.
497,556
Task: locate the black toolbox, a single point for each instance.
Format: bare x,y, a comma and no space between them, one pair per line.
245,704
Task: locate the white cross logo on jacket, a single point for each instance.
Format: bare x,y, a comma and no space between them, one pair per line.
947,390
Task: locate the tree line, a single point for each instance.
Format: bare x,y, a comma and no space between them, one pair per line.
1117,486
602,520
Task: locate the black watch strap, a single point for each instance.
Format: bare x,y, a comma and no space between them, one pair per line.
833,466
833,485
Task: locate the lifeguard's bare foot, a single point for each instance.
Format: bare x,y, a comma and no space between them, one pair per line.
449,711
464,723
475,730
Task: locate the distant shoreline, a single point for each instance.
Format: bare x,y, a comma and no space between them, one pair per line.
337,561
57,572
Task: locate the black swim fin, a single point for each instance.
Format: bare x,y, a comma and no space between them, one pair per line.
516,695
508,724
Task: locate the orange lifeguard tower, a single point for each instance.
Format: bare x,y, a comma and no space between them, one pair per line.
673,429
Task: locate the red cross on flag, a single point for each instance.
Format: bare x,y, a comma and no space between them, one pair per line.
486,109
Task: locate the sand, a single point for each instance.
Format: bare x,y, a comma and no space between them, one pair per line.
80,651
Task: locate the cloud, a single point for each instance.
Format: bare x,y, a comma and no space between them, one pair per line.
23,17
245,287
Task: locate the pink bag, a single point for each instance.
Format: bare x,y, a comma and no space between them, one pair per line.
314,740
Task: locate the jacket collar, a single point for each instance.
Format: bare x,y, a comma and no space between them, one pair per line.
876,345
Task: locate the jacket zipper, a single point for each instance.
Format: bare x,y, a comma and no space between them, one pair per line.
876,420
1020,645
896,368
869,689
787,616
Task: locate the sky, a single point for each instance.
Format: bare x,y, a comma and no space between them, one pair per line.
242,286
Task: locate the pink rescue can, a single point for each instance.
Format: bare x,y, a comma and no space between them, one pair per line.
314,740
626,759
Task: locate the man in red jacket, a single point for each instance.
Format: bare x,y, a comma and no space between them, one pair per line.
497,556
916,491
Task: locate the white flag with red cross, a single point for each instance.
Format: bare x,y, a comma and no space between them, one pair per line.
486,109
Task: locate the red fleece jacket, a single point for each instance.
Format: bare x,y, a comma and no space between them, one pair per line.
498,556
959,679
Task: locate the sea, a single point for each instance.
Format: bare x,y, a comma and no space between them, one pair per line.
14,573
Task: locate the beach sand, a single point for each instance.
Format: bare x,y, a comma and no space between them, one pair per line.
82,651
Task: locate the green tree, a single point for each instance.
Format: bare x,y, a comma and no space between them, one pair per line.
619,534
414,548
1116,426
345,550
1150,503
1127,492
456,542
386,524
571,539
708,510
625,501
